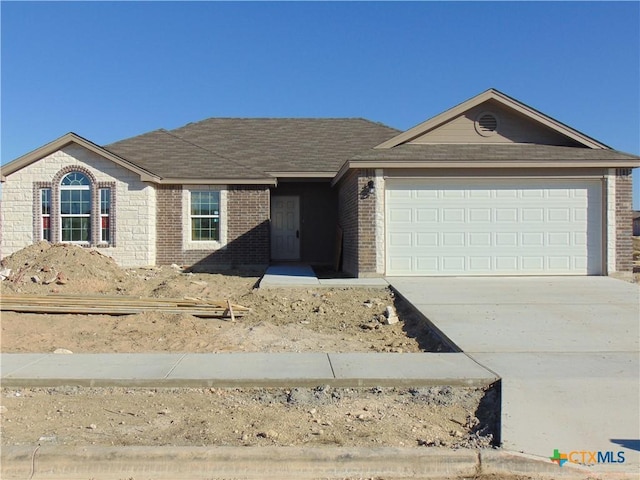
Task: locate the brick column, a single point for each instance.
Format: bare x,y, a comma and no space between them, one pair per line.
624,221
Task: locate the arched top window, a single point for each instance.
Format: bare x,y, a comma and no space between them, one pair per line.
75,208
75,179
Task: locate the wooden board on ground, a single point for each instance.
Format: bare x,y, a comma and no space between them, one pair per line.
119,305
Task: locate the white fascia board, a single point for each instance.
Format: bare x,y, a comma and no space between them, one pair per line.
217,181
303,174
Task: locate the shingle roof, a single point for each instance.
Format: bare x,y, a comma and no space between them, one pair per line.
169,156
252,147
491,152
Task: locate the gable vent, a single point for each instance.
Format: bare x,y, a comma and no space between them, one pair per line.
486,124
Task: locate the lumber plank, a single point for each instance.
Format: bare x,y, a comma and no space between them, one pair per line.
117,305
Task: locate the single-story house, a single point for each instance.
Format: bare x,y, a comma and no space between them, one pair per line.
488,187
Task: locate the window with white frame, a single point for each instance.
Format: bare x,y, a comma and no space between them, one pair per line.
75,208
105,215
45,213
204,217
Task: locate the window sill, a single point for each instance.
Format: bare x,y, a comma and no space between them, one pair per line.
204,245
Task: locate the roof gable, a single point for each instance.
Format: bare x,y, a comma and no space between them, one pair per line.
515,122
63,141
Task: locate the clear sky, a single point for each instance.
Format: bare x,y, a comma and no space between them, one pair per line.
111,70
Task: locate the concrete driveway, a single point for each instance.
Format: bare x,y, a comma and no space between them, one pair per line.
566,348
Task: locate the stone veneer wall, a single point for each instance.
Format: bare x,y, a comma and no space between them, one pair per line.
248,234
133,201
624,221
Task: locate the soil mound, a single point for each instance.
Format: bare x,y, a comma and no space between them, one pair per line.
64,268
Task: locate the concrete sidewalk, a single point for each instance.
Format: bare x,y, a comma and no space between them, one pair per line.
566,349
242,369
304,276
281,463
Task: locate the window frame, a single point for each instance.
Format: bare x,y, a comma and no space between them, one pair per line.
45,214
85,218
187,236
55,187
105,233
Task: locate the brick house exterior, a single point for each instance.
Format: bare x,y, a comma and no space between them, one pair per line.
416,202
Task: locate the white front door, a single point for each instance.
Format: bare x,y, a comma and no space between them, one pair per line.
285,228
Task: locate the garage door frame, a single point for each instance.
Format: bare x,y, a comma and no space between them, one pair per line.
596,259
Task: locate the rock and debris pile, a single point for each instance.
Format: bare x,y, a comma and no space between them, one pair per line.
58,268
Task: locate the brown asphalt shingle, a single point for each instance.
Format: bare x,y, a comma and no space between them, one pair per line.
287,144
489,152
252,147
258,148
166,155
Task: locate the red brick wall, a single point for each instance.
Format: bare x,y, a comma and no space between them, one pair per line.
356,216
348,198
624,221
169,224
247,230
366,225
248,211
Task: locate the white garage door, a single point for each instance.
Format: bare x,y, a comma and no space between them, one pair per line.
493,227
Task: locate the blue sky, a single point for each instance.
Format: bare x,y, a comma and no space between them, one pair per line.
111,70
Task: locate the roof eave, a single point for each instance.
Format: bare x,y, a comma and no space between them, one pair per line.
303,174
62,142
524,163
217,181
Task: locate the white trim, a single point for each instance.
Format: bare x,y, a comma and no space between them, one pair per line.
212,182
83,188
611,220
187,242
303,174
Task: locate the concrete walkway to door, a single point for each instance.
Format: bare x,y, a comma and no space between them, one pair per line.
566,348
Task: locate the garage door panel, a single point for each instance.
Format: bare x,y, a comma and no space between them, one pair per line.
465,228
479,239
507,263
533,264
532,239
401,239
425,263
479,214
427,240
427,215
454,215
479,263
508,215
400,215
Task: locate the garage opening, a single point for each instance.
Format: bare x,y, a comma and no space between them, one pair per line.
493,227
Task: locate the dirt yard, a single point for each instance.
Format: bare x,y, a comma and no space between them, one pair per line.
280,320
